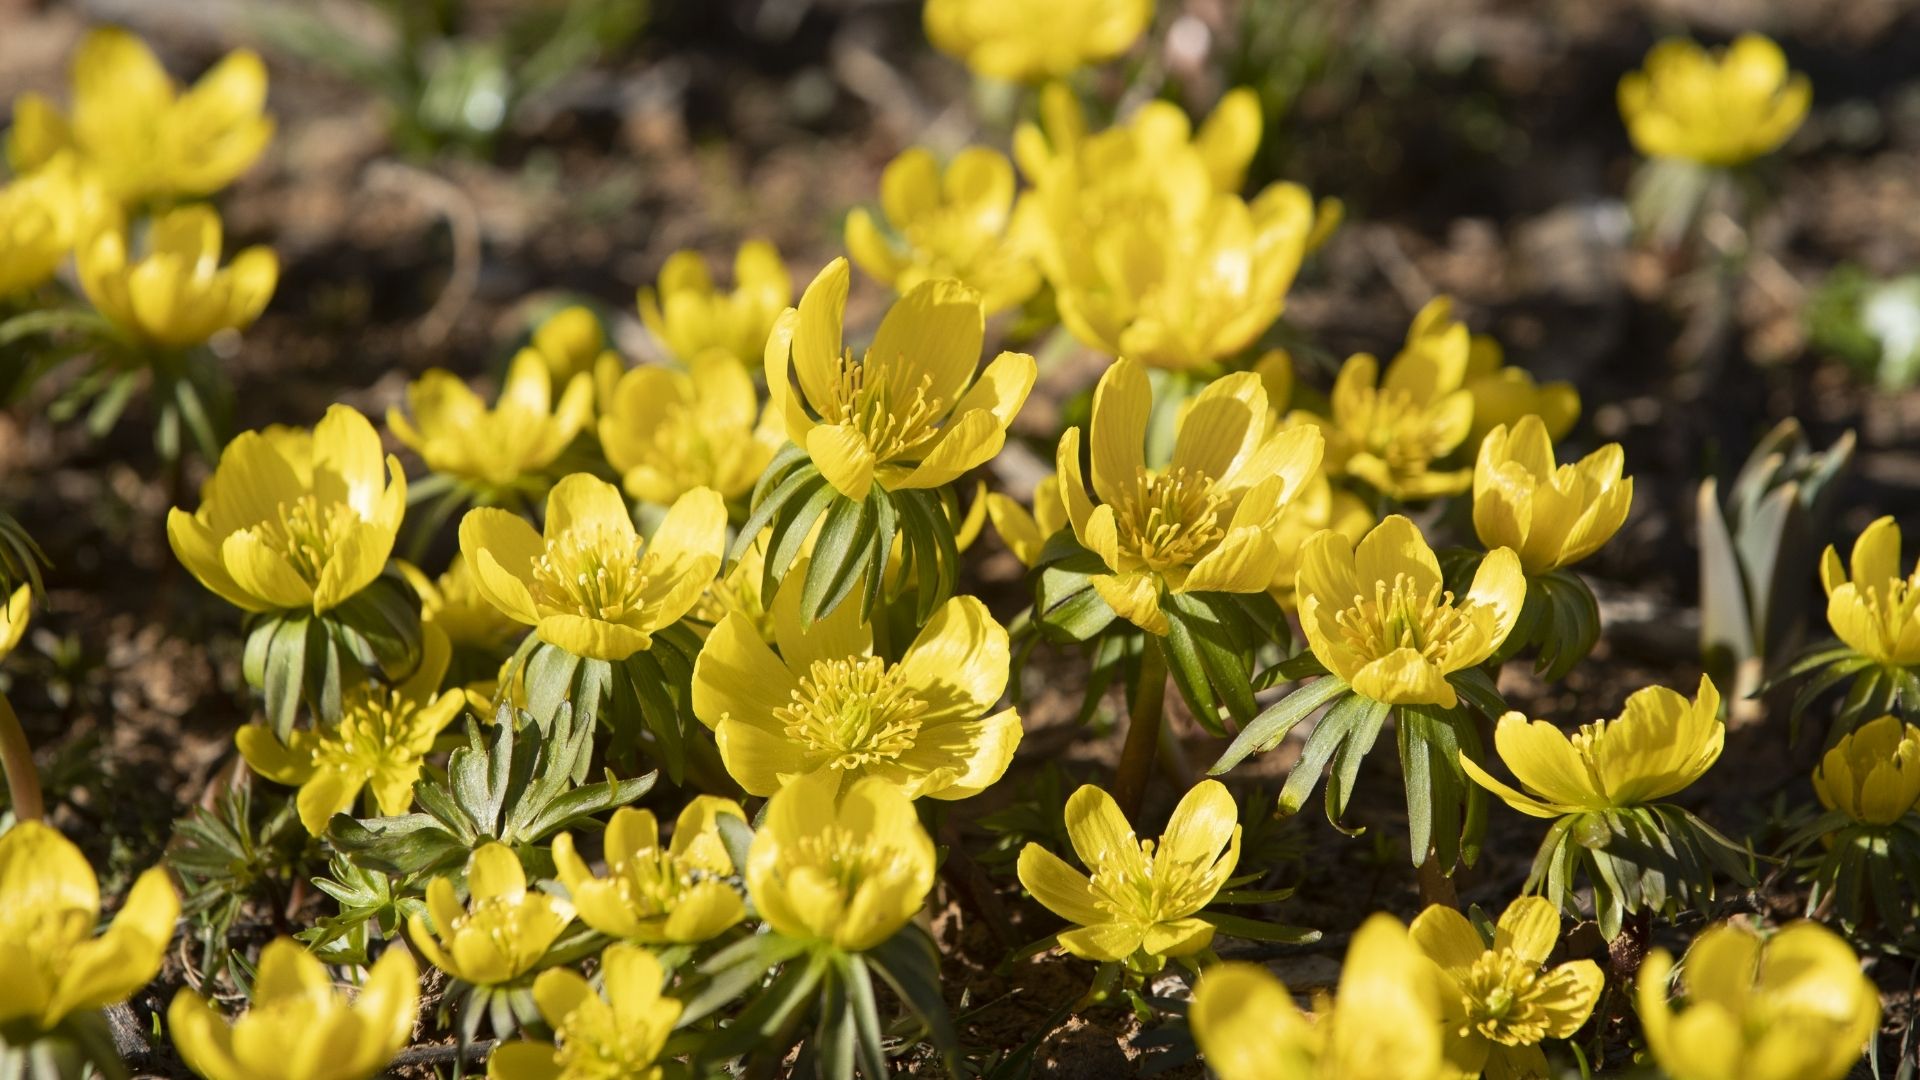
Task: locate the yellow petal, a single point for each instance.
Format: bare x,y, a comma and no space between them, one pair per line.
841,454
932,333
1122,404
1530,927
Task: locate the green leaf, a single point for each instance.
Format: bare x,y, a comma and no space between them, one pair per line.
866,1016
910,964
840,555
1333,729
549,676
1272,725
798,484
1353,749
1189,670
285,672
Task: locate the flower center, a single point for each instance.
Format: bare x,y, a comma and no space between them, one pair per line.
845,859
306,533
376,729
1890,605
1401,615
895,424
593,573
854,711
1158,889
1394,428
652,881
594,1047
1502,991
502,920
1170,519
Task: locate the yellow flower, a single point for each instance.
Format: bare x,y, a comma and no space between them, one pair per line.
1501,394
453,603
1031,40
1391,430
572,343
1026,533
738,591
1383,1024
1873,774
689,315
1876,611
912,414
1505,1000
949,225
457,435
846,870
42,215
297,1026
13,619
294,521
1553,515
381,740
177,294
1142,904
657,895
1722,108
1659,745
1146,157
827,704
504,931
1378,616
589,585
668,432
615,1037
1206,522
1794,1007
49,904
134,129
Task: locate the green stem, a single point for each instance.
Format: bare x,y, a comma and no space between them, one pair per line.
1143,729
16,762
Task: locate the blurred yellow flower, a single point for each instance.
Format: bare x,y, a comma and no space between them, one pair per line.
1502,394
1873,774
1377,614
1031,40
1143,901
504,931
676,894
497,448
1660,744
1319,506
846,870
297,1026
177,294
951,224
827,704
1876,610
49,905
912,414
134,129
738,590
572,343
453,603
1391,431
1149,154
1553,515
294,520
13,619
689,315
1026,533
1384,1024
1504,999
589,585
618,1036
668,432
1792,1007
380,741
1206,522
1719,108
42,216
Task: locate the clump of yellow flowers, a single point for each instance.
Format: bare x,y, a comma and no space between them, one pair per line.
597,1035
653,894
689,315
1790,1006
499,450
176,294
503,931
951,223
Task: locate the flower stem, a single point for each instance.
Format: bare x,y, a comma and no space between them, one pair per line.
1435,886
16,761
1143,729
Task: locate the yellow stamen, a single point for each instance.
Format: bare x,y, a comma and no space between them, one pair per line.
1170,519
854,712
594,573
